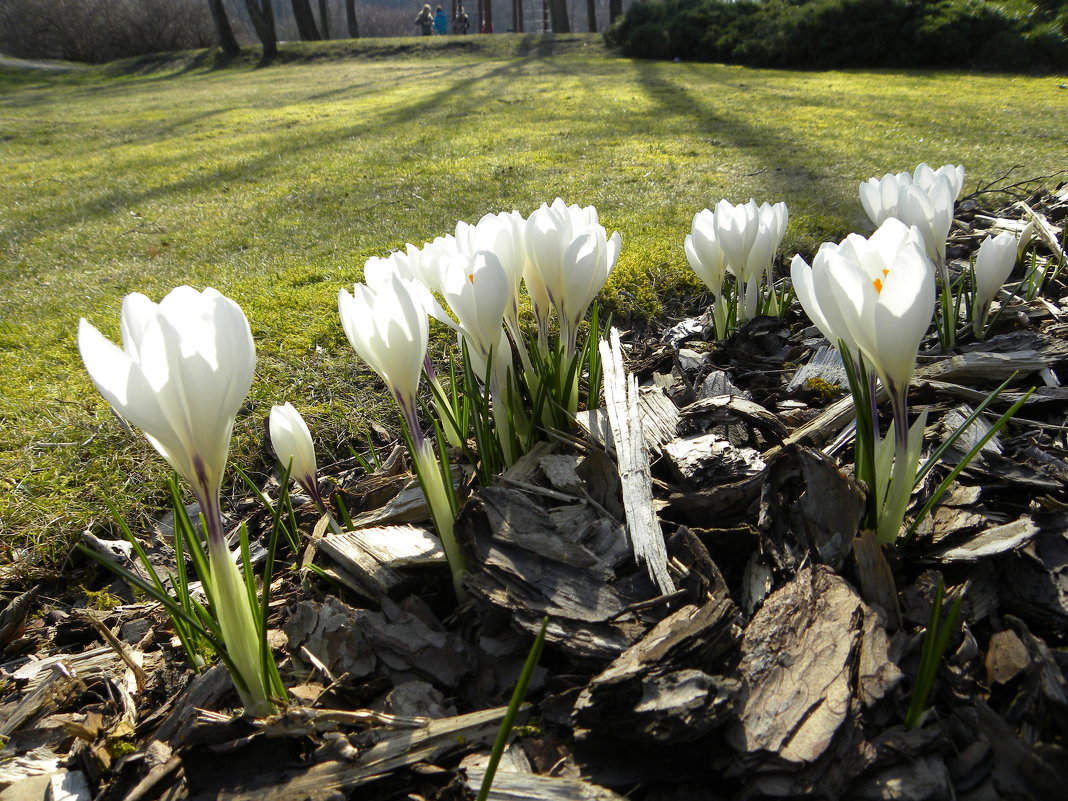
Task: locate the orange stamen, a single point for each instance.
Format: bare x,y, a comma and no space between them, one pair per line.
878,284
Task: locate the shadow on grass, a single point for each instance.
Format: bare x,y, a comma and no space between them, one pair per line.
461,96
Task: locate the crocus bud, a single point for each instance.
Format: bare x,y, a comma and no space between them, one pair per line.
293,446
993,263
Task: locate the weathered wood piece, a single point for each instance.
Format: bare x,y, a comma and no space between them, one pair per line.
728,409
408,506
964,367
994,540
393,751
513,786
356,641
1035,577
204,691
632,456
813,655
831,507
659,420
1006,398
14,615
718,382
1018,770
710,459
36,762
716,479
94,662
524,564
982,365
1048,234
876,578
374,557
979,428
667,687
825,365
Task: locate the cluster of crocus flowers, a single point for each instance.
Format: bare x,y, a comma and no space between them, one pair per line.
923,198
740,240
560,253
183,372
874,299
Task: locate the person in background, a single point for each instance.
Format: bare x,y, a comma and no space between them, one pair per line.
425,21
461,23
441,22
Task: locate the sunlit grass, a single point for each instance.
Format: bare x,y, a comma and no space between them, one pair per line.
273,185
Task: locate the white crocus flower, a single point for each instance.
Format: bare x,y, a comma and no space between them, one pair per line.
588,261
931,211
478,291
181,376
704,253
993,263
925,177
293,446
378,272
567,264
880,197
771,228
749,236
502,235
1029,233
884,288
813,289
924,199
707,259
388,329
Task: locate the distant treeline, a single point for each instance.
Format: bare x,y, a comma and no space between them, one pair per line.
970,34
103,30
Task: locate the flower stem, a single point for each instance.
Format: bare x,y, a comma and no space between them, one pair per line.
232,607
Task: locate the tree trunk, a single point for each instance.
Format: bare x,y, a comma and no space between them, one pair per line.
222,25
324,21
615,9
270,37
263,21
305,20
558,15
350,18
591,16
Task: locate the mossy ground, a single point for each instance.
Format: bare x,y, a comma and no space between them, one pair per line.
275,184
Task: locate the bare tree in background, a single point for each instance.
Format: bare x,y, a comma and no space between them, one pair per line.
222,25
591,16
324,22
305,20
558,16
350,18
261,12
615,10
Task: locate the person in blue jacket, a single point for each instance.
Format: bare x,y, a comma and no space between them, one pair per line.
441,22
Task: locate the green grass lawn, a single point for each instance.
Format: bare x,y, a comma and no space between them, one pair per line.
275,184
